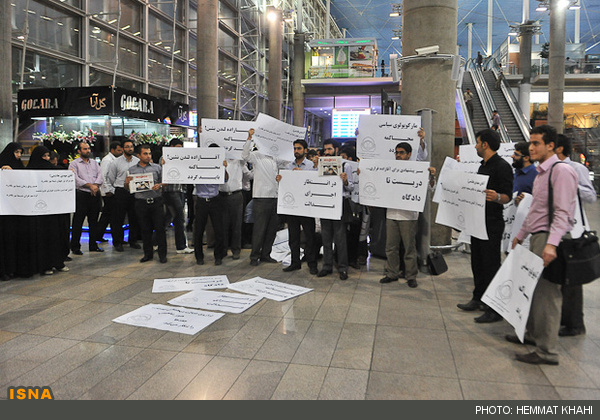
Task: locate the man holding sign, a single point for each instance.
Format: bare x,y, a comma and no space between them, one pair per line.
486,254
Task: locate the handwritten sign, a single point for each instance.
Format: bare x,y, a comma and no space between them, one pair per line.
378,135
216,301
169,318
203,165
34,193
514,216
449,164
305,193
276,138
141,183
231,135
470,160
269,289
396,184
183,284
462,203
511,290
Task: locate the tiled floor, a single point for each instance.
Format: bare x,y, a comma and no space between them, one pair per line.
354,339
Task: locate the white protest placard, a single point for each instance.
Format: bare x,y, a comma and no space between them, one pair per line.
231,135
578,226
184,284
141,182
269,289
470,160
449,164
378,135
34,193
169,318
235,303
508,213
462,203
276,138
396,184
355,195
305,193
203,165
520,215
511,290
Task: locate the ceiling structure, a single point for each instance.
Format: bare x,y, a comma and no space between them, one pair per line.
371,19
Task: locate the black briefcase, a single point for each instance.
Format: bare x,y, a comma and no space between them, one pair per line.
436,263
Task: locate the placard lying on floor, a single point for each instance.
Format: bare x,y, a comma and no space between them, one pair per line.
269,289
216,301
185,284
168,318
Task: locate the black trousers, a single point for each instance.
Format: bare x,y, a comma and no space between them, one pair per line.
233,215
572,307
105,216
485,261
212,207
265,226
310,249
86,205
124,204
246,227
353,239
151,217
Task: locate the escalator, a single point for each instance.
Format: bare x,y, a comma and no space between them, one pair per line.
479,121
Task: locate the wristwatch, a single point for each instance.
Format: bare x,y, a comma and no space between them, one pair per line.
498,198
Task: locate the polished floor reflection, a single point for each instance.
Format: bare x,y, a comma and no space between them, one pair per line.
353,339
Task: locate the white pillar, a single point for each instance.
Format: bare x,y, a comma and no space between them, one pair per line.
469,40
525,11
490,26
577,26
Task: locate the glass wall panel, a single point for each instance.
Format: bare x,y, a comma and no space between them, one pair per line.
102,50
164,93
49,27
167,8
192,49
228,16
193,82
227,94
160,34
193,17
107,10
100,78
227,68
227,42
159,70
43,72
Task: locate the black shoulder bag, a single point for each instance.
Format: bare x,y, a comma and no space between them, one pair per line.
578,259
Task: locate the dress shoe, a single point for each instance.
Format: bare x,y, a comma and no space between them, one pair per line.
77,252
48,273
63,269
343,275
254,263
511,338
313,270
145,259
97,249
323,273
387,279
472,305
412,283
570,332
218,261
292,267
534,359
135,245
163,260
200,261
185,250
268,260
236,256
355,265
488,317
67,258
119,248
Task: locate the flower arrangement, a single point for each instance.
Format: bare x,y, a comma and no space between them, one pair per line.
88,136
151,138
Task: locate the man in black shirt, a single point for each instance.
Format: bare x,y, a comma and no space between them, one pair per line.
485,254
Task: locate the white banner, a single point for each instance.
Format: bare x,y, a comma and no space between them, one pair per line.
378,135
231,135
269,289
184,284
471,161
512,288
169,318
276,138
305,193
35,193
449,164
462,203
203,165
235,303
396,184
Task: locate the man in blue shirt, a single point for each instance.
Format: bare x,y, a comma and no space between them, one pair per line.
525,171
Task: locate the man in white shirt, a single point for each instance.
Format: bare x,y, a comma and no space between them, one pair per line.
106,190
264,195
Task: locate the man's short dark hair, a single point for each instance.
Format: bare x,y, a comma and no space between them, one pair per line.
349,151
114,145
175,142
566,144
334,143
495,110
124,142
523,148
302,143
549,134
139,148
82,143
491,137
312,152
404,145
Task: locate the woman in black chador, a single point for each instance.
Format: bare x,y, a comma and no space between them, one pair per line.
47,227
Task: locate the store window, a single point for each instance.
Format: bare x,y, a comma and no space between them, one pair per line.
100,78
107,10
102,48
160,35
49,27
43,72
159,70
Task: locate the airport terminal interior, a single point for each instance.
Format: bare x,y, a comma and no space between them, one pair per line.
353,339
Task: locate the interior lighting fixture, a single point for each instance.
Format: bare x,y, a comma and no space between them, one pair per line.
396,10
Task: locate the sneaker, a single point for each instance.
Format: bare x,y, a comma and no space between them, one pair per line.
48,272
63,269
185,250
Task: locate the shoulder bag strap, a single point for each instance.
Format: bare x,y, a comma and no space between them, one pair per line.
551,197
